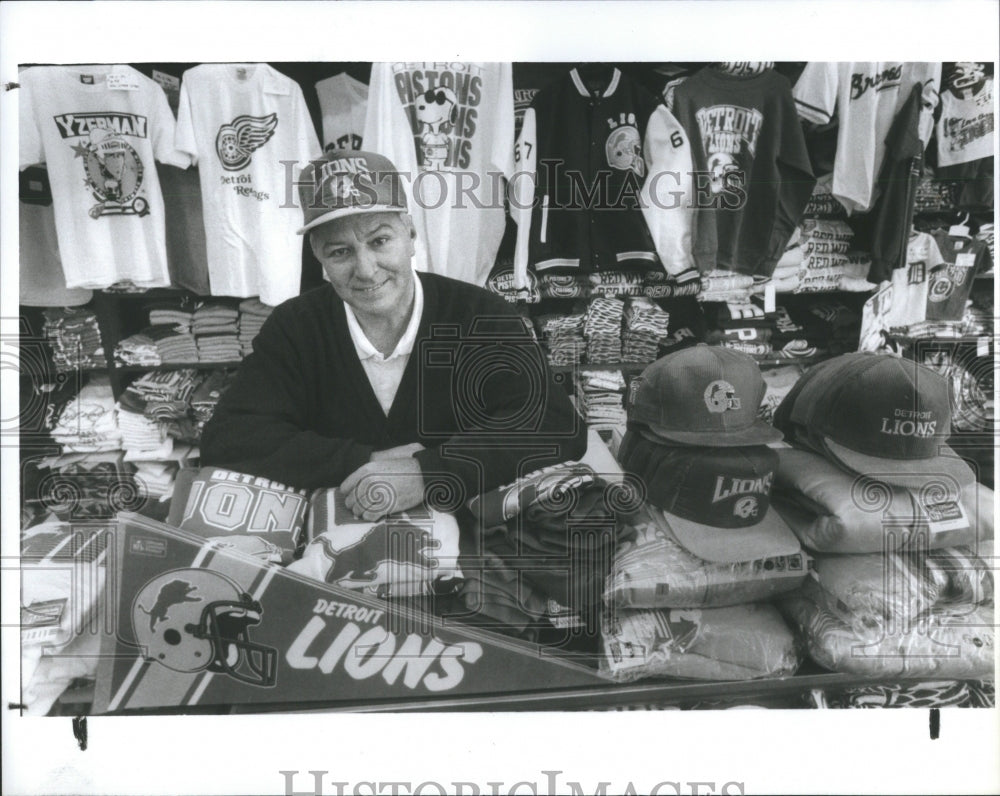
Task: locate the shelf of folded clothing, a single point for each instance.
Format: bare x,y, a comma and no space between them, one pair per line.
150,293
178,366
980,341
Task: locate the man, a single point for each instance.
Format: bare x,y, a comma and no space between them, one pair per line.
390,384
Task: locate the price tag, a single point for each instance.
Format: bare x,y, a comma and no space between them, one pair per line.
122,81
167,82
769,299
983,347
965,260
946,516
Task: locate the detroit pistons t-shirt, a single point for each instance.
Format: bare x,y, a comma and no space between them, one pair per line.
99,130
248,130
450,128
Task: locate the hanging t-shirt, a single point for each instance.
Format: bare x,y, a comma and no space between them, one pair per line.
449,127
343,102
746,137
99,129
41,281
965,129
248,129
866,97
910,285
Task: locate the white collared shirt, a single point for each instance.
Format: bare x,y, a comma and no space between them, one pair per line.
386,372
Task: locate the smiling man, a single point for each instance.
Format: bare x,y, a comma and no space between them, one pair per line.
388,383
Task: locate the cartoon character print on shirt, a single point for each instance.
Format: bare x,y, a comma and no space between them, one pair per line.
112,169
236,142
729,136
441,102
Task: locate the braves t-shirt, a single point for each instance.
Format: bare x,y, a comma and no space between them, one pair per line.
866,96
99,129
248,129
450,128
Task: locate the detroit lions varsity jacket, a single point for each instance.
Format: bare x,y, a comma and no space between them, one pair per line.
588,166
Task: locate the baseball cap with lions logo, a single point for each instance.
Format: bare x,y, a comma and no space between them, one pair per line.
702,395
877,415
717,501
344,182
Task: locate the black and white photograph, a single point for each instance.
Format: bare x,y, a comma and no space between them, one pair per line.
499,397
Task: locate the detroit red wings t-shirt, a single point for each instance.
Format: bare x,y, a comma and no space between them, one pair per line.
247,128
100,129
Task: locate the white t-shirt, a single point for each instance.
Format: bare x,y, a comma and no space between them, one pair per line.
450,127
965,129
866,97
910,284
343,101
99,128
386,372
247,127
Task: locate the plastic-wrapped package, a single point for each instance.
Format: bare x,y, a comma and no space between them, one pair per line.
832,511
957,644
741,642
401,555
875,590
653,570
221,503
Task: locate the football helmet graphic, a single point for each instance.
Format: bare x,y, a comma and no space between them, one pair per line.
623,150
192,620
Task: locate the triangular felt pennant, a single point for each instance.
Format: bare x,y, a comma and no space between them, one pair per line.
197,626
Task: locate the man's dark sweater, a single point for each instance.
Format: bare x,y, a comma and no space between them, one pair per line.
476,393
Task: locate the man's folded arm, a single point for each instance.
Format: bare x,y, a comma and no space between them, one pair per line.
258,428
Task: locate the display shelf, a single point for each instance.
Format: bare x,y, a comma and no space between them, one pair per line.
178,366
985,344
638,367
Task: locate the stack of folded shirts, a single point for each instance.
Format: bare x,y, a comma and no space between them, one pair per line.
173,344
748,329
822,203
253,313
726,286
787,270
207,394
564,286
600,397
75,338
563,337
156,479
138,349
215,319
617,283
161,395
941,329
828,324
140,433
170,313
645,326
219,348
602,329
88,423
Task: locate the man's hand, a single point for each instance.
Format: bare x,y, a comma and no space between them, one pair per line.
399,452
383,487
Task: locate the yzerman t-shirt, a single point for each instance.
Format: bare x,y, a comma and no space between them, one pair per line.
99,129
450,127
247,127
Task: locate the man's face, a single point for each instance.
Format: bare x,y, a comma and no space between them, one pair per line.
366,257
